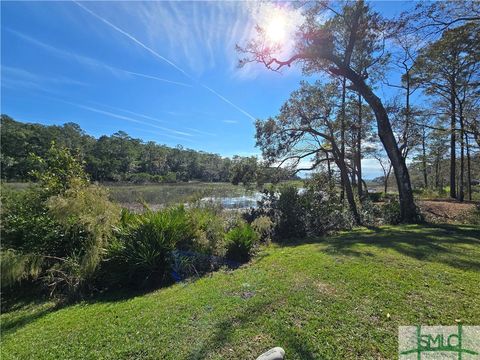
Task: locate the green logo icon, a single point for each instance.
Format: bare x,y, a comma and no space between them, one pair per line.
439,342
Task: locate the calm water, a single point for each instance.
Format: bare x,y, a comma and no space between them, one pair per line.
235,202
160,195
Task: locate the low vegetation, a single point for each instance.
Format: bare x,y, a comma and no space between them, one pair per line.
342,296
67,239
64,235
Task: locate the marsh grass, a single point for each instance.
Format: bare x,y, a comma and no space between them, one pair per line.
168,194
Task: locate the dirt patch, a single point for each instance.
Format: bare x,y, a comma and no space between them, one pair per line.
318,286
445,211
325,288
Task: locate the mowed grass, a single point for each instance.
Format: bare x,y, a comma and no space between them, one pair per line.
341,297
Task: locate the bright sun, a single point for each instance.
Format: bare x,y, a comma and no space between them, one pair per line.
276,29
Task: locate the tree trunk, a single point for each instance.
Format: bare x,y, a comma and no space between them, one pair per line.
424,159
340,162
342,130
328,168
453,193
387,176
407,116
359,147
408,210
461,192
469,169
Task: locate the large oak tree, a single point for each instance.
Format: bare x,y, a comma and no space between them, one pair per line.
321,47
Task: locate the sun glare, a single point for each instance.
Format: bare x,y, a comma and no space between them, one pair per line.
276,29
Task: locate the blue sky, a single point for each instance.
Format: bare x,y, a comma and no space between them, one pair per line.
162,71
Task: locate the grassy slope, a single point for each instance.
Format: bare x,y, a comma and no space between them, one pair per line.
328,299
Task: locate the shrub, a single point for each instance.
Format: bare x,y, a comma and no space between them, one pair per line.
473,216
240,242
290,214
169,177
58,171
315,210
88,218
57,230
391,212
209,230
27,226
370,213
15,267
375,196
146,242
263,226
324,209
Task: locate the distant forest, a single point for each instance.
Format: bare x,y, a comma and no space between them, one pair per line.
120,157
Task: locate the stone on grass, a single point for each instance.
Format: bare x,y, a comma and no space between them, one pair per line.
277,353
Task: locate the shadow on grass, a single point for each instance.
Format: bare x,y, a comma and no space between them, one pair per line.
224,331
12,325
448,244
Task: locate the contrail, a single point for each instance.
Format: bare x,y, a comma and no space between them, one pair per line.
117,116
202,132
131,37
157,78
228,102
85,60
156,54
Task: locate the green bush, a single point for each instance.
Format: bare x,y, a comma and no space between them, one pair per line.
315,210
391,212
370,213
58,171
15,267
57,230
208,225
324,210
146,242
240,242
290,214
27,225
263,226
473,216
375,196
88,218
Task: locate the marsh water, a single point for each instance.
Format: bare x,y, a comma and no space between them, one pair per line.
160,195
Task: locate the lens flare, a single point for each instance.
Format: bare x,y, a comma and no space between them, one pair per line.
276,29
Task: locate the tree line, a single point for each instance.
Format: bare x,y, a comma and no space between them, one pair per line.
120,157
338,120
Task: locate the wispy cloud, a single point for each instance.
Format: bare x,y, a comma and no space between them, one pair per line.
148,117
156,78
91,62
229,102
134,39
161,57
17,77
162,134
230,121
201,35
127,118
201,132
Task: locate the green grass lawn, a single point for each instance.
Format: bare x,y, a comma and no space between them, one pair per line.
341,297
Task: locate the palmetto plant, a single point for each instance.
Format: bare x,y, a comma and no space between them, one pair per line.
147,241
